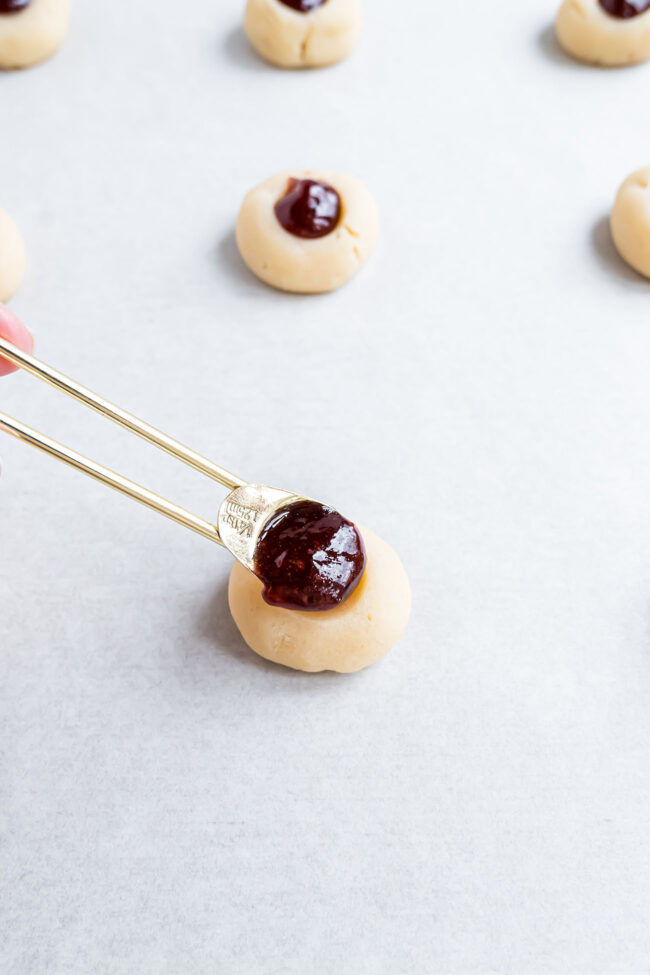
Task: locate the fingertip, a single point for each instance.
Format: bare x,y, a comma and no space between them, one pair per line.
13,330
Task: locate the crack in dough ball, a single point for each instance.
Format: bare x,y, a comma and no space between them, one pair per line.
348,638
307,266
587,32
13,259
290,38
630,221
33,34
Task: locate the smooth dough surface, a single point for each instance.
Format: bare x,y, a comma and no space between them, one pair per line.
307,266
630,221
589,33
291,39
12,257
346,639
34,34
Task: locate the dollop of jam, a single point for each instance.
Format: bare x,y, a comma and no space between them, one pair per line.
309,557
13,6
625,8
309,209
303,6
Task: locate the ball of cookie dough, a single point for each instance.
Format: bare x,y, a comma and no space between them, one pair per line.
12,330
12,257
350,637
303,33
630,221
606,32
31,31
307,231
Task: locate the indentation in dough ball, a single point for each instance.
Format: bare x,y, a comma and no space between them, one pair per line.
33,34
304,265
630,221
292,38
589,33
12,257
354,635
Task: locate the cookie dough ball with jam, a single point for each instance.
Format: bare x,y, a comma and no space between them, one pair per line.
307,231
630,221
12,257
31,31
347,638
611,33
303,33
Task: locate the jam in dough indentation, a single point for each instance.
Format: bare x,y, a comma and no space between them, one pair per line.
309,209
611,33
309,557
352,635
298,233
13,6
31,31
303,6
624,9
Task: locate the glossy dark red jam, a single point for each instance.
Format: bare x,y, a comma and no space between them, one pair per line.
303,6
13,6
309,209
625,8
309,557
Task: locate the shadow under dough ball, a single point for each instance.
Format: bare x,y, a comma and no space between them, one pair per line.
630,221
355,634
31,31
12,257
307,231
611,33
303,33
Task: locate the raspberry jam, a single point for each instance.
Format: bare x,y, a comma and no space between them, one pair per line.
13,6
303,6
309,557
625,8
309,209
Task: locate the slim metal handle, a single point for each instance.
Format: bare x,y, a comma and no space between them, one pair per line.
115,413
110,478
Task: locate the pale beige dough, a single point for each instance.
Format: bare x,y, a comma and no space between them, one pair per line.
12,257
630,221
307,266
354,635
291,39
34,34
587,32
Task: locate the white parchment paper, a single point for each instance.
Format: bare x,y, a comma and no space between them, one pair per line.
479,396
